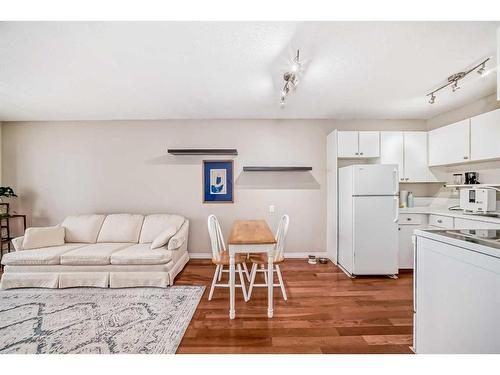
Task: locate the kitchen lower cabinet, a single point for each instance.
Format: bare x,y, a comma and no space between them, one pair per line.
474,224
441,221
456,299
406,246
407,224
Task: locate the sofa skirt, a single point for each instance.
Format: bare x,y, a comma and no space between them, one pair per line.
60,276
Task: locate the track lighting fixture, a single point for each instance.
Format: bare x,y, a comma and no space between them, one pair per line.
291,78
454,78
482,69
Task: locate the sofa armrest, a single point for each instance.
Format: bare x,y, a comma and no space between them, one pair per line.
180,238
18,243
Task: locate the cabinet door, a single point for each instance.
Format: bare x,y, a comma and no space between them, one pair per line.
474,224
391,150
369,144
406,246
485,136
348,144
415,166
449,144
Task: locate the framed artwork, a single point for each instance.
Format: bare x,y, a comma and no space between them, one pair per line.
218,181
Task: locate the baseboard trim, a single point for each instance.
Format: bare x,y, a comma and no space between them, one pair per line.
298,255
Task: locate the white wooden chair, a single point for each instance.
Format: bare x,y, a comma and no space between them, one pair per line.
220,257
261,260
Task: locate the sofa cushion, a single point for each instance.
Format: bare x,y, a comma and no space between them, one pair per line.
83,228
156,224
99,253
163,238
47,255
141,254
121,228
35,238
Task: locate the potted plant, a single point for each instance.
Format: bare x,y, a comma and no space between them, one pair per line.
6,192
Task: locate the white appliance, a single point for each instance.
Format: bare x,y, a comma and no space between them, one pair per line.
368,219
478,200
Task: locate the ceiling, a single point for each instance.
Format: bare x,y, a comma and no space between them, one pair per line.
233,70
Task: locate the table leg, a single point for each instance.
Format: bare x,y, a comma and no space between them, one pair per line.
231,286
270,258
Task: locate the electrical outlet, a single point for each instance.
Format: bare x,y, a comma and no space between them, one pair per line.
271,209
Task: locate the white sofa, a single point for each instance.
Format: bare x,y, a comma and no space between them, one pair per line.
102,251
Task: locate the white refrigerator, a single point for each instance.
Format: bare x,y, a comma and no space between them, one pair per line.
368,219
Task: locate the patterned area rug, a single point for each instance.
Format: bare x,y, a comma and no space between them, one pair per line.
87,320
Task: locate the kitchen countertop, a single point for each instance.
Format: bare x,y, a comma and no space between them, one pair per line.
445,212
450,237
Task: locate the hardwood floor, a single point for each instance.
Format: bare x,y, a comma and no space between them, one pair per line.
326,312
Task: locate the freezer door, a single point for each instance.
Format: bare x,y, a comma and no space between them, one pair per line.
376,179
375,235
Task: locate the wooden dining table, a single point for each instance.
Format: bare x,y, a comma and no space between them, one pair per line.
251,236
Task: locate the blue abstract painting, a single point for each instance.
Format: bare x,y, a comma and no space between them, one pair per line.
218,181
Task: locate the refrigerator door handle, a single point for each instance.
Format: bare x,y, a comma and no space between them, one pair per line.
395,179
396,199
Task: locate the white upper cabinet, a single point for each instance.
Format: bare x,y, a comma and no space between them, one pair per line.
391,150
450,144
485,136
348,144
369,144
415,157
354,144
409,151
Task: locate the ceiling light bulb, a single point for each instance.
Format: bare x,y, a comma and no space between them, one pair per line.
432,99
454,86
282,101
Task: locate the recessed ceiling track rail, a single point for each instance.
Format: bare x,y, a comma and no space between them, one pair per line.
454,78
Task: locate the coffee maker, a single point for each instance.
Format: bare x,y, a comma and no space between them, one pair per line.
471,178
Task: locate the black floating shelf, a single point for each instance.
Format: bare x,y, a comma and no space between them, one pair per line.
202,151
277,169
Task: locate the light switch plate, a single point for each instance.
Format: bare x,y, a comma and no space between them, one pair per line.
271,209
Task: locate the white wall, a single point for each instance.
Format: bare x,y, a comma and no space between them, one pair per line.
486,104
64,168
